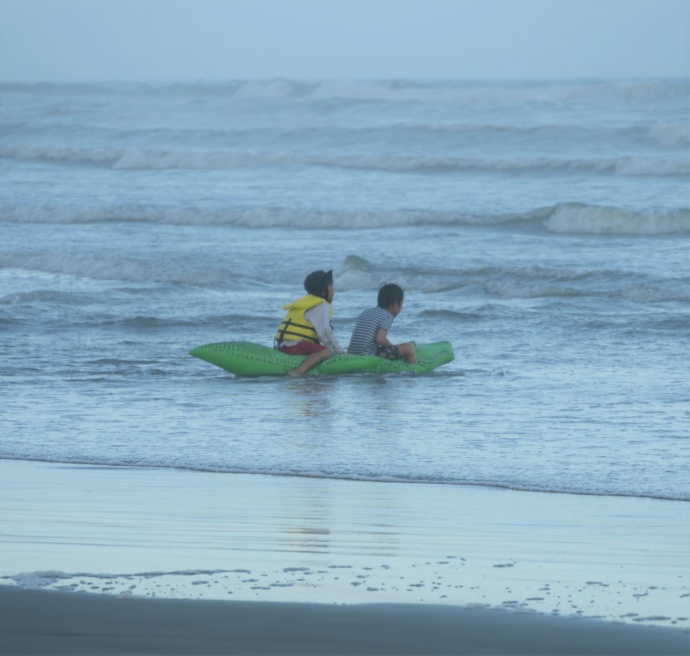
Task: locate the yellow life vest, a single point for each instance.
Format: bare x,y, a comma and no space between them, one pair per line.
295,326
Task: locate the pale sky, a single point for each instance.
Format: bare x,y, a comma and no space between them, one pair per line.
187,40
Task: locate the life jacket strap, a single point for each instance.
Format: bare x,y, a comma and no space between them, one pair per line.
285,329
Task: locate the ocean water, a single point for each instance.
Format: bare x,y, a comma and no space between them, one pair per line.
542,227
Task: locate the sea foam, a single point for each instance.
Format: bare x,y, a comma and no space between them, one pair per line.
565,218
142,159
584,219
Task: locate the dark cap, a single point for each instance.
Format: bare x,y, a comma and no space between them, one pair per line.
317,282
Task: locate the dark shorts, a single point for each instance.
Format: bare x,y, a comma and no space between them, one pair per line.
388,352
302,348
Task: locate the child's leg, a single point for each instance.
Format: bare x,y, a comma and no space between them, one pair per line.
310,361
408,352
398,351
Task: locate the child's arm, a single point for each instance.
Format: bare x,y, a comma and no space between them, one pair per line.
320,316
382,337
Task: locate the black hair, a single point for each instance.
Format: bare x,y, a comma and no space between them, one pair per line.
390,293
317,282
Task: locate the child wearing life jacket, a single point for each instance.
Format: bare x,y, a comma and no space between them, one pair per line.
370,336
306,328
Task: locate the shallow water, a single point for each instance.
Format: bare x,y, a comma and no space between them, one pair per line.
183,534
541,228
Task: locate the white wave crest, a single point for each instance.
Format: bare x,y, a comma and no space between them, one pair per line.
652,294
151,159
671,134
641,166
99,267
263,217
58,153
630,166
141,159
468,92
567,218
593,220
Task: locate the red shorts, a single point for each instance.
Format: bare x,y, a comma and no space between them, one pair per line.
302,348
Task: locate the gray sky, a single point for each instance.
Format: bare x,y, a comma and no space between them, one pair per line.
163,40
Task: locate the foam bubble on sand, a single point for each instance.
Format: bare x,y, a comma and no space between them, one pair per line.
455,581
35,580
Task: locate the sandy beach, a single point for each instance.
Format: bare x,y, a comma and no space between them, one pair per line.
186,562
36,622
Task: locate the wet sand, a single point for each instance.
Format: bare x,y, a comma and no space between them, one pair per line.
49,622
115,560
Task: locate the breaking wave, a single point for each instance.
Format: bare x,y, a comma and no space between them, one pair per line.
139,159
512,282
469,92
101,267
565,218
574,218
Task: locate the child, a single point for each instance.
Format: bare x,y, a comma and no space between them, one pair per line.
370,336
306,328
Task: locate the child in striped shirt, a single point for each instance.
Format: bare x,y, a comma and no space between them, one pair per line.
370,336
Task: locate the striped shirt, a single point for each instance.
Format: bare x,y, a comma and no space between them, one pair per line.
363,340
